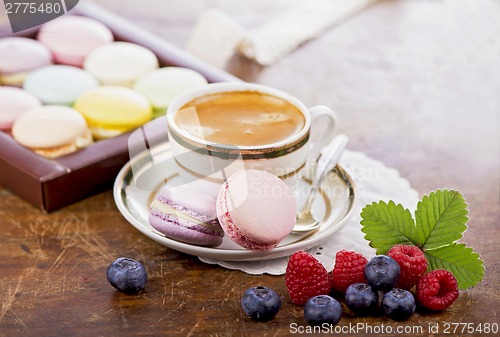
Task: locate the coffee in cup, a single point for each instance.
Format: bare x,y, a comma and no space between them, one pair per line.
221,128
240,118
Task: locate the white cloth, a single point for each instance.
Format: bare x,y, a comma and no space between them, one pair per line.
374,182
216,37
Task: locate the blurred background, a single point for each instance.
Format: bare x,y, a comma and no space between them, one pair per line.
431,67
414,81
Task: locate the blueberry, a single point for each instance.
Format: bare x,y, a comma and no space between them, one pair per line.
322,309
361,298
382,272
398,304
127,275
260,303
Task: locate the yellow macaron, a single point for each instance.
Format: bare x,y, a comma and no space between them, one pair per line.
111,111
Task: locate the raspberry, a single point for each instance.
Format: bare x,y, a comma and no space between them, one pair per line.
412,262
305,277
348,270
437,290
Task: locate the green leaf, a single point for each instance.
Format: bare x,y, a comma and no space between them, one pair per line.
441,219
462,261
386,225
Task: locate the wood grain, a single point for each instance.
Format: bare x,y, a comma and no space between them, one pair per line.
415,84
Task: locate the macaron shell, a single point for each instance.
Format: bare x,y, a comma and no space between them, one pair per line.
120,63
181,230
186,215
256,209
49,126
161,86
13,103
59,84
198,202
114,108
71,38
233,233
58,151
104,133
19,56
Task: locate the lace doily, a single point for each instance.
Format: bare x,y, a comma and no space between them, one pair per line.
374,182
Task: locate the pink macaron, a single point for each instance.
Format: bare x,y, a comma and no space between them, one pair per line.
256,209
186,215
13,103
71,38
19,56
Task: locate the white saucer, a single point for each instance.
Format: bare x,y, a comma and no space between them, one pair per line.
140,179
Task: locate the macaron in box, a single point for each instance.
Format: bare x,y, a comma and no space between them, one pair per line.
59,84
161,86
73,42
71,38
13,103
52,184
52,131
120,63
112,110
19,56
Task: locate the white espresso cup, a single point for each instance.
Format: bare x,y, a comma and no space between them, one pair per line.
206,162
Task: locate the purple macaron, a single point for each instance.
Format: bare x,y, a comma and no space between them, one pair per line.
187,216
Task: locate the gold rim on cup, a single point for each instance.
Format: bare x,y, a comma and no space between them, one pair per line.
225,151
235,152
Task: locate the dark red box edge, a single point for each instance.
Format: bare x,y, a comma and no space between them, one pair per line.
52,184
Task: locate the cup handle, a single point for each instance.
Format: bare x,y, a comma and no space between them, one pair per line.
323,122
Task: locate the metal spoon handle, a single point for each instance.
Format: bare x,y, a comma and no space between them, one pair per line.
330,158
310,198
326,163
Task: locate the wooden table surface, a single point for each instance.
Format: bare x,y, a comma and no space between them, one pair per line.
416,85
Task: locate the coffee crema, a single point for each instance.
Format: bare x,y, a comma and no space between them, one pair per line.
241,118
